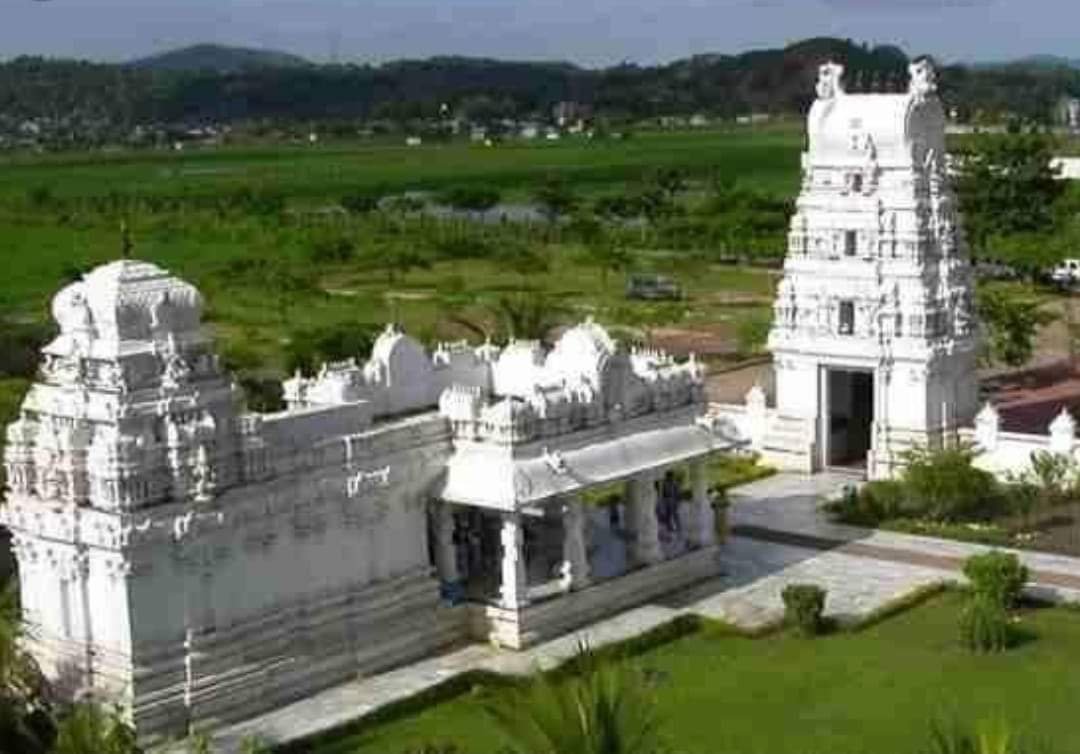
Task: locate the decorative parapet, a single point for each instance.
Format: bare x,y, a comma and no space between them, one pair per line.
583,382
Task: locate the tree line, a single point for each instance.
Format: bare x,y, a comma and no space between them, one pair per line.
87,103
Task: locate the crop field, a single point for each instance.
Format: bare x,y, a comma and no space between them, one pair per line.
284,268
765,158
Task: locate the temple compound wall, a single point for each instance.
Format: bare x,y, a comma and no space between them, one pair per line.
874,337
201,563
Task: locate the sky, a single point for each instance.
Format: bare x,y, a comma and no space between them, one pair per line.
588,32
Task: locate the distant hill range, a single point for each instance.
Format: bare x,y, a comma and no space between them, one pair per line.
214,84
218,58
1033,61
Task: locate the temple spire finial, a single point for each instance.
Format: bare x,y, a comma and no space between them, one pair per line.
126,244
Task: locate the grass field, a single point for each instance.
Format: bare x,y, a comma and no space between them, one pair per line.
60,215
877,690
765,158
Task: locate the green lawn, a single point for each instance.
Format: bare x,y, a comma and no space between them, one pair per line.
877,690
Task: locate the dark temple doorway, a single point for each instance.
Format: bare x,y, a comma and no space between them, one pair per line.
850,407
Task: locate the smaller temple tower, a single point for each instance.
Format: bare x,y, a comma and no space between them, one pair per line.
874,337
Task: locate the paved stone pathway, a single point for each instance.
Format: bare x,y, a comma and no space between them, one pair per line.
779,537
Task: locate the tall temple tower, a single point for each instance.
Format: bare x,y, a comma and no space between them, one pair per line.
874,337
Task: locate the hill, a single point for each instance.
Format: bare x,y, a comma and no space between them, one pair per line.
79,103
218,58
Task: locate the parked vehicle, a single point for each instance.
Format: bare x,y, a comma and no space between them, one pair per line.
1066,274
653,288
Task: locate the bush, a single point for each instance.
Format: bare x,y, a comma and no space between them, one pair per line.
996,576
804,605
752,333
876,502
330,249
946,487
984,625
361,202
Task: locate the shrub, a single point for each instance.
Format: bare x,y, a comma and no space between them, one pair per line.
984,625
946,487
330,249
873,504
752,333
997,576
361,202
804,605
1054,475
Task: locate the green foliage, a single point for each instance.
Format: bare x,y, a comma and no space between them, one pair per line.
606,708
200,742
1054,475
20,347
255,745
947,487
997,577
331,249
752,333
262,394
361,201
804,606
872,504
1006,185
307,350
470,198
1012,318
24,710
984,626
986,738
89,728
555,198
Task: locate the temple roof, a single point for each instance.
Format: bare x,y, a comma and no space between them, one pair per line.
477,476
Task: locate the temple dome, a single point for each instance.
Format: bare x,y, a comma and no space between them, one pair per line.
127,300
582,351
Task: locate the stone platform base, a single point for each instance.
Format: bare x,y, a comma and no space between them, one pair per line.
236,672
538,622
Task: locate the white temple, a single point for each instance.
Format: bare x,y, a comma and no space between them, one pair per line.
874,338
201,564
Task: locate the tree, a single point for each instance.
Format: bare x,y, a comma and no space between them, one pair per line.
362,202
608,257
526,315
1006,185
555,198
1011,319
752,333
88,728
469,198
308,349
605,708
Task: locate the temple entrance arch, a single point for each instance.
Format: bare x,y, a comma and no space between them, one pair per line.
848,416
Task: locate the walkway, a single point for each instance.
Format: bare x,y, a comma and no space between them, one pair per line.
786,509
779,537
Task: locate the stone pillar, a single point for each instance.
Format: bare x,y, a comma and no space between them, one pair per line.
445,549
575,566
514,590
700,531
645,545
